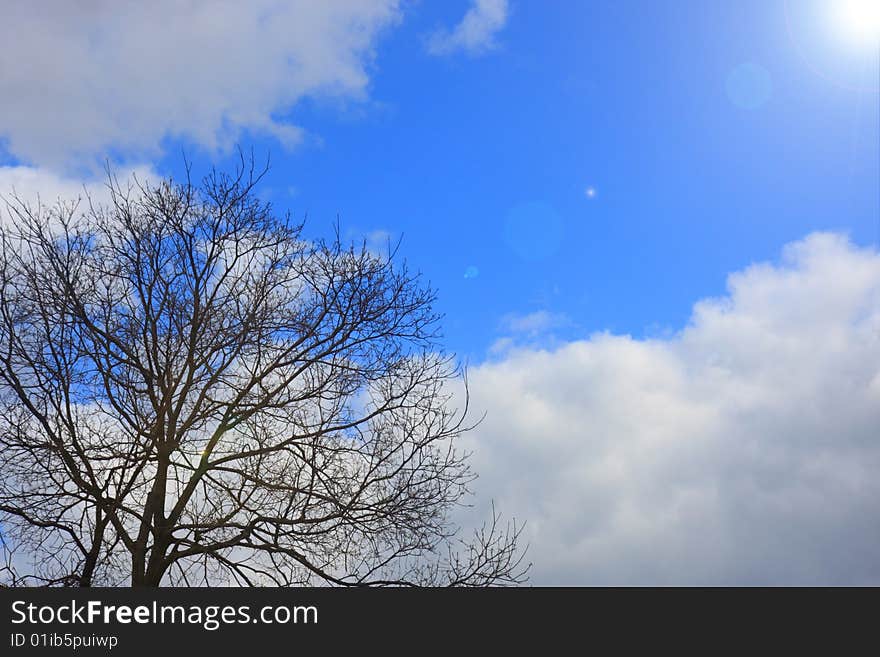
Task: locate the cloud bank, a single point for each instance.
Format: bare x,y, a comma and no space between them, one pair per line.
79,79
743,450
476,32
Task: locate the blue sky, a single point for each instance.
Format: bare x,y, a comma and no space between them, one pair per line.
654,227
711,134
468,156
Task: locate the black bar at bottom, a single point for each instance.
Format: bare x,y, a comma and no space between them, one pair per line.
397,621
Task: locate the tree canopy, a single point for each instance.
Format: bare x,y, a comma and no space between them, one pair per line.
192,393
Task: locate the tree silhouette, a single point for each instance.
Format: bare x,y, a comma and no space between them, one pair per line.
192,393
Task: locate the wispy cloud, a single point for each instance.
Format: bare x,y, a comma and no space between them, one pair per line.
378,241
476,32
535,323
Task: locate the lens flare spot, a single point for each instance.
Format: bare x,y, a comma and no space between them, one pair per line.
471,272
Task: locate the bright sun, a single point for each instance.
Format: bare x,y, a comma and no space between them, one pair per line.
858,20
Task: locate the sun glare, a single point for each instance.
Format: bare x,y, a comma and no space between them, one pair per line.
858,20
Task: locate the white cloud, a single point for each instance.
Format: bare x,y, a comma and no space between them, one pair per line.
533,324
78,79
379,241
475,33
534,329
40,185
743,450
33,184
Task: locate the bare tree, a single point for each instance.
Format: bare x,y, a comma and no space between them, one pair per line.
193,393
